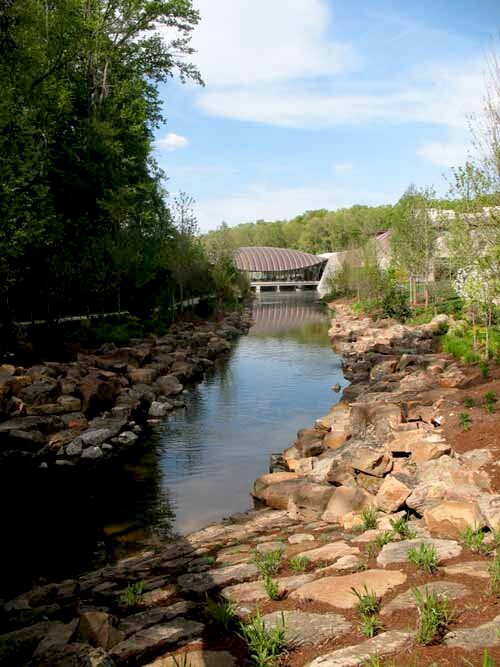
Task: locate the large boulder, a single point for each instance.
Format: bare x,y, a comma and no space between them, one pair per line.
392,494
451,518
169,385
346,499
308,501
98,391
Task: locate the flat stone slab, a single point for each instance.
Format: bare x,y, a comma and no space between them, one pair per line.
472,568
397,552
354,656
269,547
337,591
196,659
155,638
298,538
330,552
204,581
448,589
254,591
303,628
484,635
144,619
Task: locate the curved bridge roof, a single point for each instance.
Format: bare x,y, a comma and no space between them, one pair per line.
267,259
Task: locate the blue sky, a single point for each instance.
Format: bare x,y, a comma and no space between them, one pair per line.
324,103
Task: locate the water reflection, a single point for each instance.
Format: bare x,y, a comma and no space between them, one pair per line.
196,467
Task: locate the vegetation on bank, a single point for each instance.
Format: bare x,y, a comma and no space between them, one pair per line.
86,225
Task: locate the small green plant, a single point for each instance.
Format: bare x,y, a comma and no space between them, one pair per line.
299,563
368,608
465,421
370,625
268,563
469,402
132,595
490,398
486,662
221,613
473,538
272,588
402,528
372,549
494,572
264,644
377,661
424,556
433,616
485,369
369,518
368,602
384,538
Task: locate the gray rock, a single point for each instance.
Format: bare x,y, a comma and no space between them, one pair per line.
397,552
204,581
159,410
95,436
126,438
144,619
448,589
354,656
479,637
304,628
74,448
92,453
155,638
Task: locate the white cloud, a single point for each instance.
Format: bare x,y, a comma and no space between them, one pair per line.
261,202
440,95
243,43
172,142
445,154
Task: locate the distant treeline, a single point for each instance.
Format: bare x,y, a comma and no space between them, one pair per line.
321,230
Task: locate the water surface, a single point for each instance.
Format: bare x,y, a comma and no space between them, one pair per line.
197,466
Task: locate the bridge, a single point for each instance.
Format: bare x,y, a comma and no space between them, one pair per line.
279,269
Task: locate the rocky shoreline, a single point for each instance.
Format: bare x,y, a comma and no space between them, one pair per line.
94,409
383,473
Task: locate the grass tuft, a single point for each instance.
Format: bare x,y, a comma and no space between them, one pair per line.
369,518
268,563
132,595
299,563
425,557
272,589
265,645
433,616
473,538
494,572
220,613
402,528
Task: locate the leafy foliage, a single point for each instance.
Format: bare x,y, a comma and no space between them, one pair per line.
434,616
264,644
424,556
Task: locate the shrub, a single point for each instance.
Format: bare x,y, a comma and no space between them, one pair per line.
490,398
434,616
395,303
299,563
268,563
424,557
220,613
265,645
485,369
465,421
469,402
132,595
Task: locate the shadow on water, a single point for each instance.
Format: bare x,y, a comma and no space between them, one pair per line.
195,467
